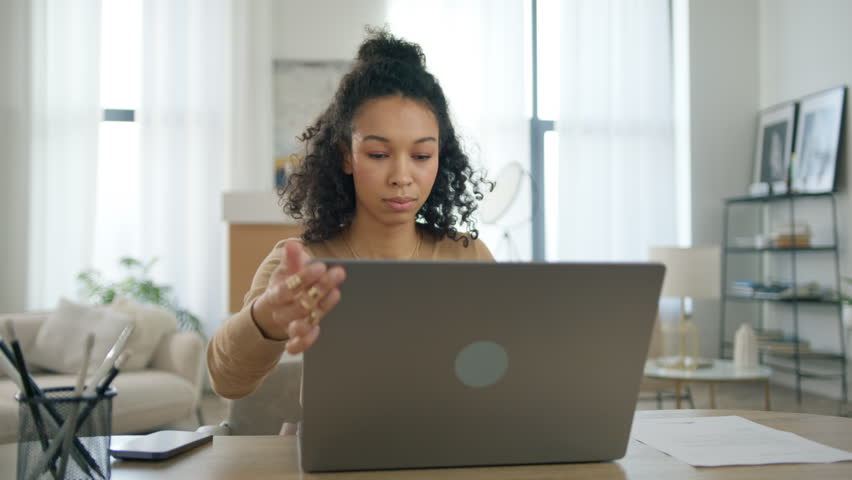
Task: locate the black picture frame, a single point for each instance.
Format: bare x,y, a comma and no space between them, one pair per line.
776,127
820,129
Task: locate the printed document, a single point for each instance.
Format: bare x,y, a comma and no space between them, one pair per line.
730,440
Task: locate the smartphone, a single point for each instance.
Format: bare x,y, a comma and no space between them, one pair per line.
158,445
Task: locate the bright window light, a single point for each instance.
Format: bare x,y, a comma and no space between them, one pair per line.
549,15
121,53
117,195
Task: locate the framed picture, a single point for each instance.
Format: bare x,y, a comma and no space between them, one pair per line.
775,130
302,89
820,121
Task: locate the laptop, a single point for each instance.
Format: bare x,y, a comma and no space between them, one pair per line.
473,364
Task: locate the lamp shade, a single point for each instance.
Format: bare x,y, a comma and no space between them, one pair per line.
690,271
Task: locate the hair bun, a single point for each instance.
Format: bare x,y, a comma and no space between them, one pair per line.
381,45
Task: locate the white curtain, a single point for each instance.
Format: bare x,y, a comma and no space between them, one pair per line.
65,113
476,50
252,147
616,164
15,145
184,142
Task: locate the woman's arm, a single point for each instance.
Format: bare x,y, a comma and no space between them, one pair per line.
239,355
280,312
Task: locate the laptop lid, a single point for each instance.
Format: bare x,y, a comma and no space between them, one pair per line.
463,364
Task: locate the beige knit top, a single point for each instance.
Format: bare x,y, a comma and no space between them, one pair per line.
239,356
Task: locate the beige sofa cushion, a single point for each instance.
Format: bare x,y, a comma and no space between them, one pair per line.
152,324
60,341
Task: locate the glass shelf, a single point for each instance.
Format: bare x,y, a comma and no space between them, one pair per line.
803,373
821,248
773,198
807,300
810,355
817,365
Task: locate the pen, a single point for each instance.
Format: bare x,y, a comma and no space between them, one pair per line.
122,359
9,369
111,356
103,387
24,384
6,352
7,366
75,409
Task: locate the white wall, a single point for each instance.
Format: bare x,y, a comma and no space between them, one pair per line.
322,29
806,47
266,30
14,149
724,98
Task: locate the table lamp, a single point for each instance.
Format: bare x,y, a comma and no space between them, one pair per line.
690,272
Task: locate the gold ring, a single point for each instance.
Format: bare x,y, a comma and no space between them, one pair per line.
293,282
314,292
313,318
305,303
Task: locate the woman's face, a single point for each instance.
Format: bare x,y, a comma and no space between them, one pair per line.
393,159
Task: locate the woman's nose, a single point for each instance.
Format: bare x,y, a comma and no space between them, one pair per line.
400,174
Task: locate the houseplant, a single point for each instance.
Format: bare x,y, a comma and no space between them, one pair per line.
139,286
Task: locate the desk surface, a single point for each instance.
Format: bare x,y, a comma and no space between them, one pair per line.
248,458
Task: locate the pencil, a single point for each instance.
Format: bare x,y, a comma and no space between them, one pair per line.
71,432
17,357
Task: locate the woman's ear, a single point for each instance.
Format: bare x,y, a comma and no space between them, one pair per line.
346,156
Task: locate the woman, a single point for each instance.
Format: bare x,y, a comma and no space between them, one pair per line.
384,177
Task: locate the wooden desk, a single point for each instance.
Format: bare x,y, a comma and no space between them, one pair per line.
248,458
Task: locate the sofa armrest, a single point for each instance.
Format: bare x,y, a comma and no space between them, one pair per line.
217,430
181,353
26,326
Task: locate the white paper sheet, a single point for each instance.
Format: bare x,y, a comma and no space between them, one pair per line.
731,440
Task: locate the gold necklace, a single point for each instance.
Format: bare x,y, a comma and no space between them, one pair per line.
355,254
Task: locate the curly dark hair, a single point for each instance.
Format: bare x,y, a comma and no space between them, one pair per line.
319,192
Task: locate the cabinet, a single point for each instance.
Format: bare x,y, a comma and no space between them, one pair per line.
255,224
785,285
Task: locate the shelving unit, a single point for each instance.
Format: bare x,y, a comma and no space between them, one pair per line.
801,364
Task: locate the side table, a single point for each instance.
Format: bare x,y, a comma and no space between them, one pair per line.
722,371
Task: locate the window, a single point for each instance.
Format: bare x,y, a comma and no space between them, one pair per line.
118,156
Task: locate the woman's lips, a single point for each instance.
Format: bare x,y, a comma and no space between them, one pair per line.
399,204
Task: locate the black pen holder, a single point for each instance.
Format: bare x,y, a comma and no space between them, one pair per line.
41,420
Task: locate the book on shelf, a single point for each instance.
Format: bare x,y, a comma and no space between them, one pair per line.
784,345
768,334
780,291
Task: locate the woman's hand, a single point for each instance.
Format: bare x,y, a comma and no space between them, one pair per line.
297,297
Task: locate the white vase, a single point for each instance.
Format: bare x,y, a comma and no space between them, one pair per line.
745,348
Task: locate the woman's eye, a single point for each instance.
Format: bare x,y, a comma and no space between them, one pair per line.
422,157
377,155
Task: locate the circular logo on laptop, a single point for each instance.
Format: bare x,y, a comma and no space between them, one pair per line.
481,364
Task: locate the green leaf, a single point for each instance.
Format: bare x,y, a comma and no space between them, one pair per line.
139,286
